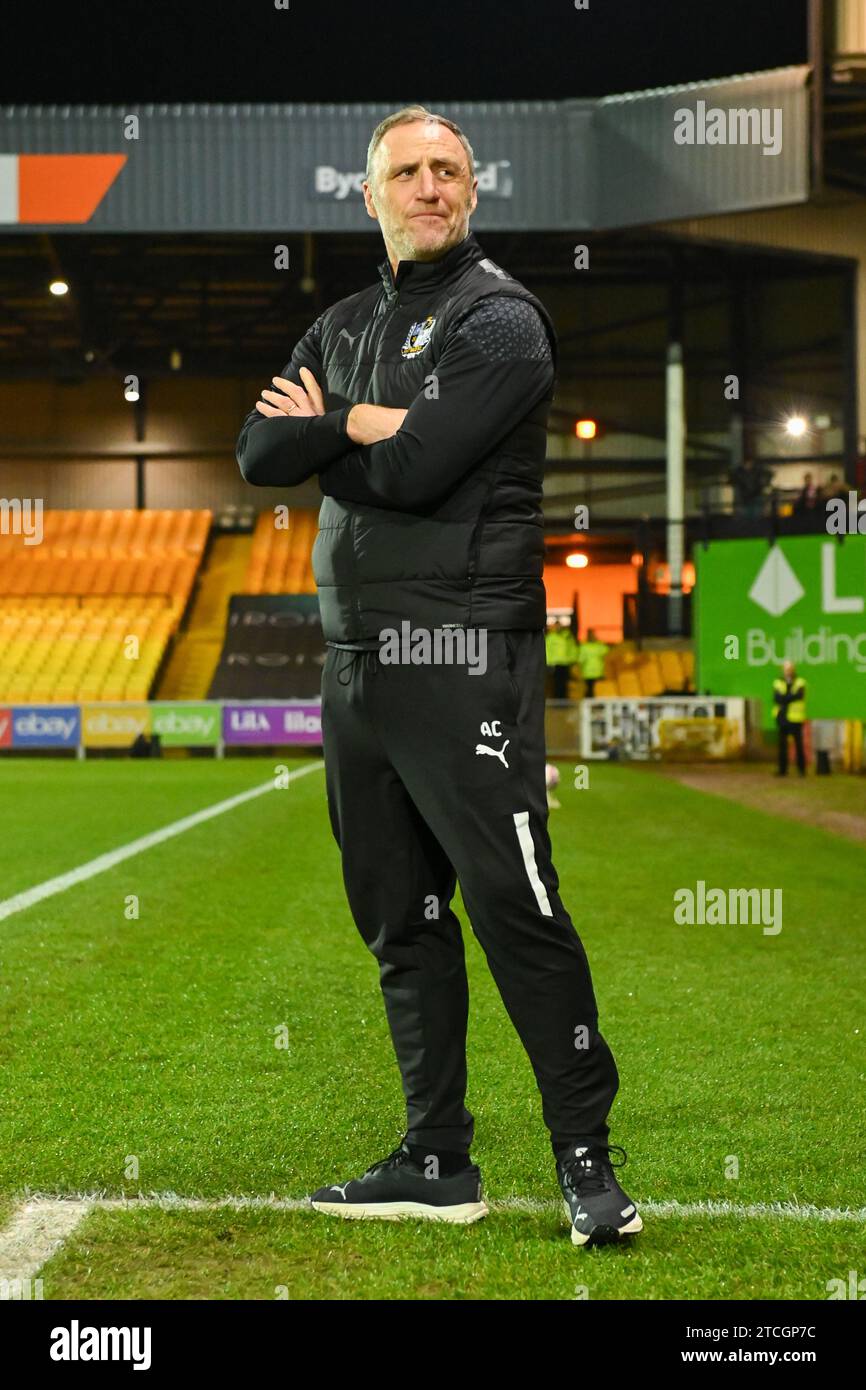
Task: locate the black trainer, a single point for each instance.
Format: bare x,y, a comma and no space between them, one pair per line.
599,1211
396,1187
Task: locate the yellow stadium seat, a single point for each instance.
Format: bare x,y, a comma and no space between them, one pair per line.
628,684
649,677
98,577
672,669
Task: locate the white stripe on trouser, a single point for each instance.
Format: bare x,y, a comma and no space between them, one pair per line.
527,849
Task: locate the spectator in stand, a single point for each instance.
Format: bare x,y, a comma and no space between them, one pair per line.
591,661
750,482
789,698
835,488
560,653
809,496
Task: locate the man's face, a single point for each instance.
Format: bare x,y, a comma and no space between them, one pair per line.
422,193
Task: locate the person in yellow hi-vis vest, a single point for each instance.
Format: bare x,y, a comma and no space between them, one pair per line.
789,698
561,653
591,660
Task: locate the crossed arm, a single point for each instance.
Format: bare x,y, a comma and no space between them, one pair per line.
305,437
390,457
365,424
782,699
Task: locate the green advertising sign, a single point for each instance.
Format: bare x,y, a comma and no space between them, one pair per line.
801,600
187,725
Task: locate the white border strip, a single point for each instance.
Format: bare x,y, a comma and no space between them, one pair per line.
41,1225
37,894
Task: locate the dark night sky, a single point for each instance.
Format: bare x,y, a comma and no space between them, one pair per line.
330,50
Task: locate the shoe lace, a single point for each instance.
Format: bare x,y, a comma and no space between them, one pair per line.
398,1155
591,1170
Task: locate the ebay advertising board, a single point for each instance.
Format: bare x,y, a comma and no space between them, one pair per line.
40,726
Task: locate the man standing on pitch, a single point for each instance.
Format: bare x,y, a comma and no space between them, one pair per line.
422,403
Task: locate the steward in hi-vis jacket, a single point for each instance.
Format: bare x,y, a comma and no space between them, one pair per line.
789,701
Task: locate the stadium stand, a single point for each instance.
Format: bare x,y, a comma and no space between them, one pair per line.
632,673
281,559
196,651
97,578
274,560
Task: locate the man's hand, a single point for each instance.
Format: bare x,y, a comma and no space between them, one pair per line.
365,424
369,424
291,399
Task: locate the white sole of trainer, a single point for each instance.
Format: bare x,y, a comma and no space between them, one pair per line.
462,1215
632,1228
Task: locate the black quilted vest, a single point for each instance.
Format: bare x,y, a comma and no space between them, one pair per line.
476,557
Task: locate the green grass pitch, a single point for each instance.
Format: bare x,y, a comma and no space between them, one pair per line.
148,1045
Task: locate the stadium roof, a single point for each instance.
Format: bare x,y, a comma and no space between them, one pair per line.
617,161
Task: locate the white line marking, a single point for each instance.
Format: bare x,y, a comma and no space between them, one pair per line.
35,1232
156,837
39,1227
756,1211
173,1201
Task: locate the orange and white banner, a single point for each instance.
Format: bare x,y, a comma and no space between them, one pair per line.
55,188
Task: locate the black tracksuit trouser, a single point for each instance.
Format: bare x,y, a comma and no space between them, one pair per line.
419,796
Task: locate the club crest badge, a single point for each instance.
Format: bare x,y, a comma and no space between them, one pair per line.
418,337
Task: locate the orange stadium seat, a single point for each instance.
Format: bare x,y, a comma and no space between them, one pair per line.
281,558
98,577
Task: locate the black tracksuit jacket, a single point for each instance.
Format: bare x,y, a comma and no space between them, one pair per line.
442,523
